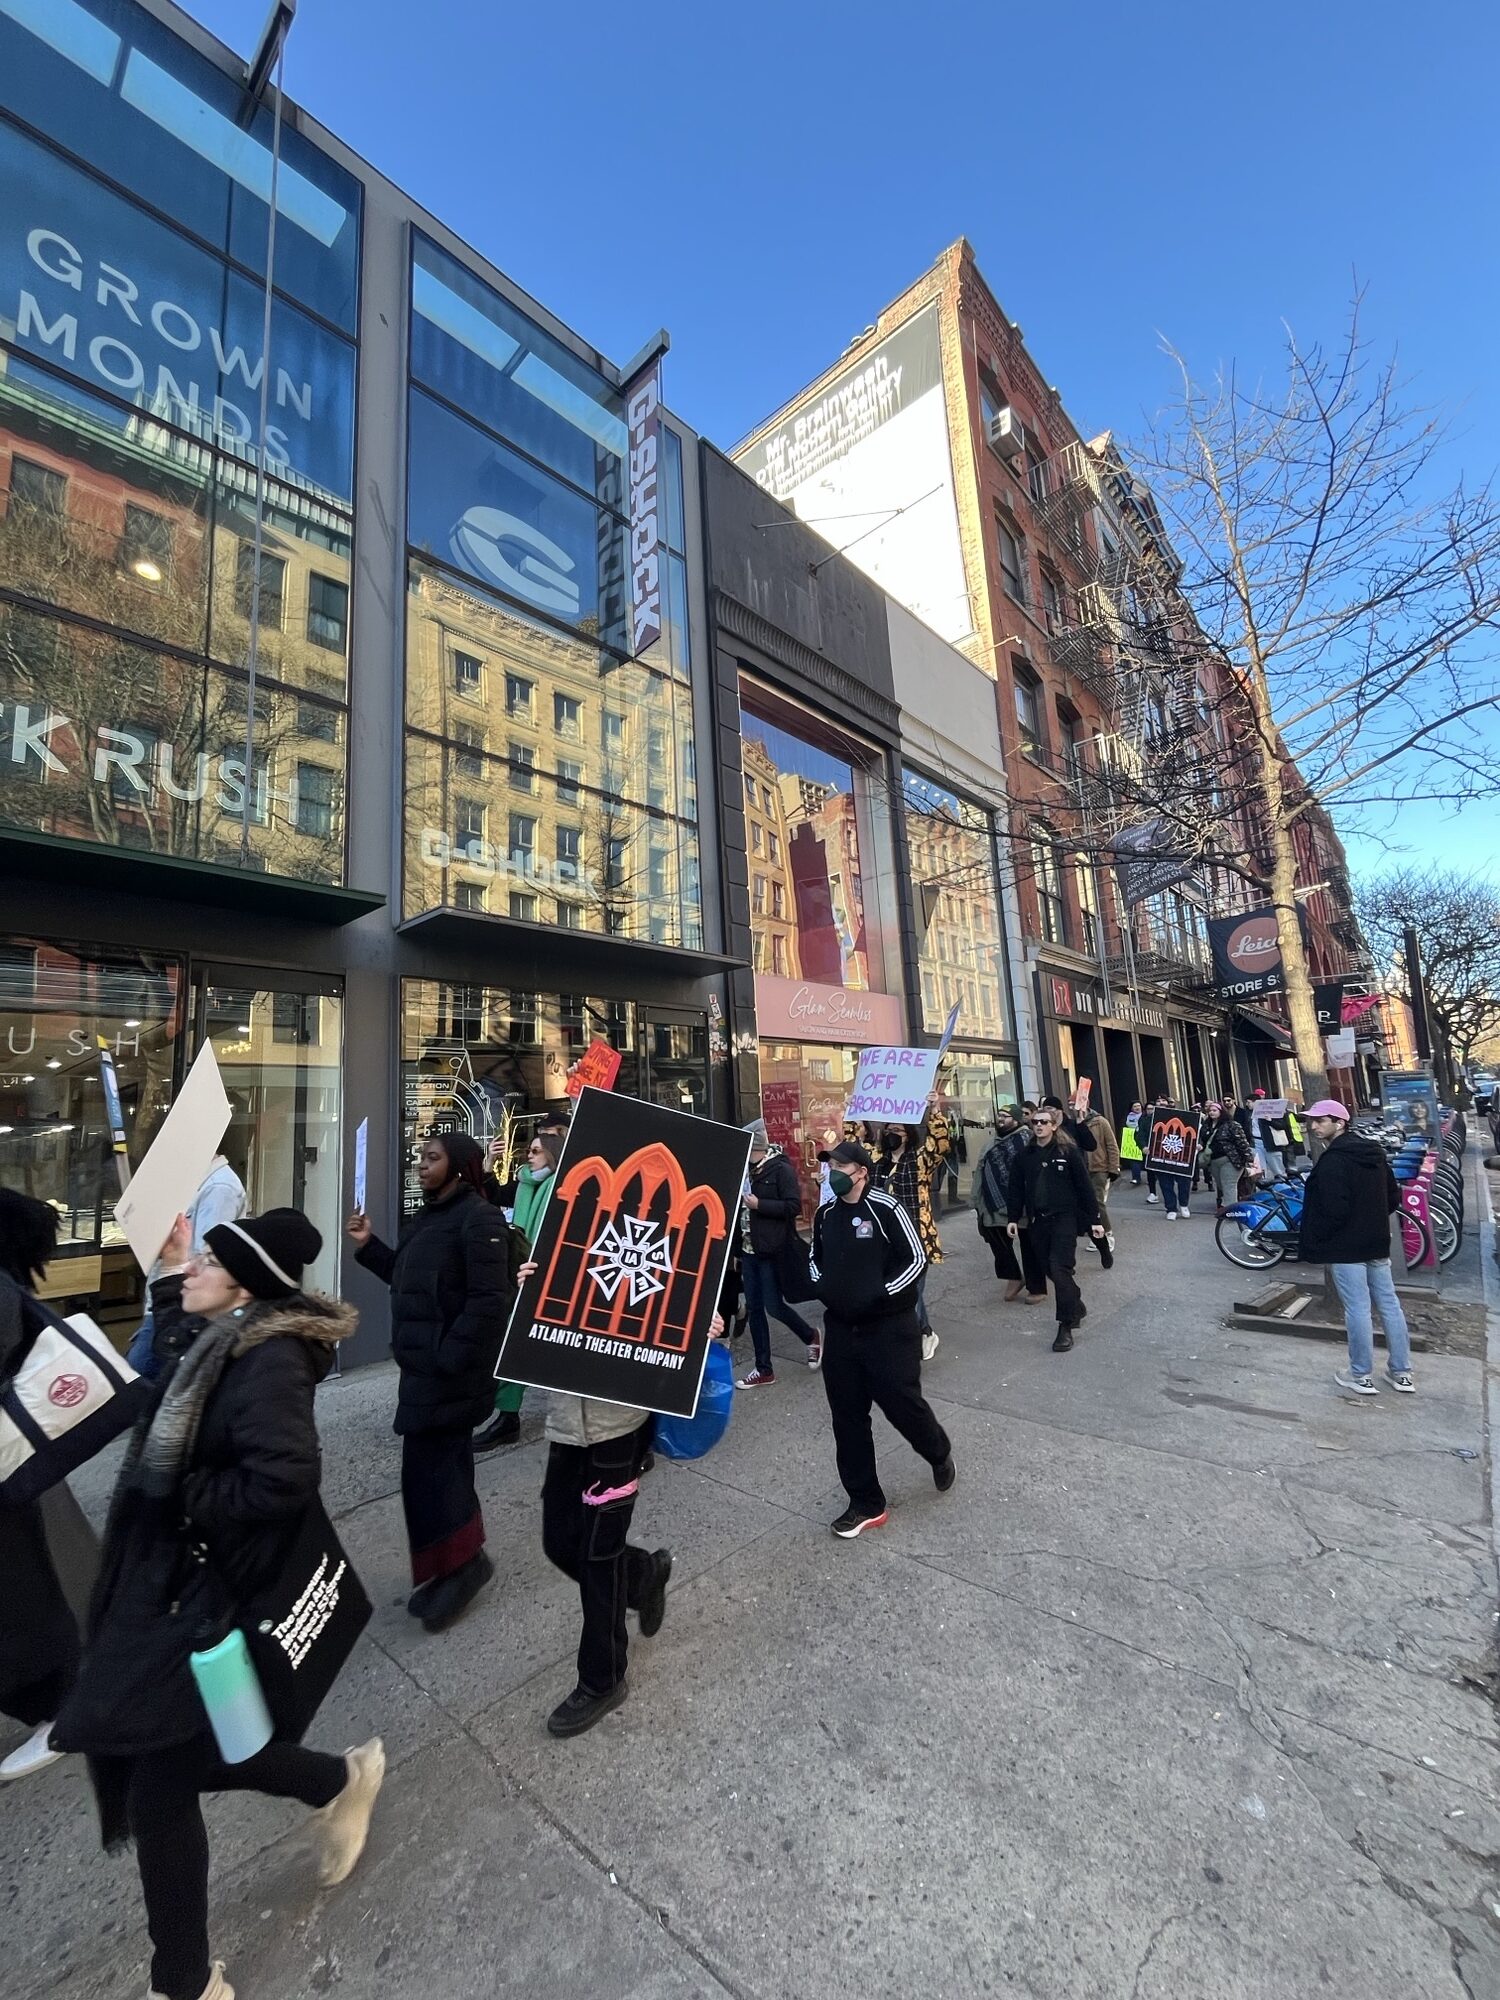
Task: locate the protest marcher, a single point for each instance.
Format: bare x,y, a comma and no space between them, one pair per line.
38,1632
768,1221
908,1166
451,1296
1271,1139
1050,1196
1076,1128
989,1199
1130,1143
1174,1186
220,1198
218,1478
1104,1170
1244,1116
1143,1134
1346,1224
867,1259
533,1190
1229,1154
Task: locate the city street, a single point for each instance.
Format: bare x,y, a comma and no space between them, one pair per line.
1163,1700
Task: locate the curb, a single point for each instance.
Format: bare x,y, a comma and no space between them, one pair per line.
1489,1274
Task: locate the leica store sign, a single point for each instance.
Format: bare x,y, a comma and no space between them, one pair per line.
1247,955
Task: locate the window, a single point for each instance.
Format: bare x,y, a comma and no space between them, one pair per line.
1028,711
658,883
1052,601
567,715
773,850
469,896
523,906
569,845
317,722
315,800
468,820
758,951
146,548
778,899
1012,562
778,954
1074,740
468,673
520,694
570,916
136,786
468,757
757,837
522,767
569,777
272,586
758,896
656,746
1049,898
750,790
1156,719
327,613
522,837
612,732
614,866
1088,906
37,488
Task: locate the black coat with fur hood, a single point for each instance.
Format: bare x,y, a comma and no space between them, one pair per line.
251,1475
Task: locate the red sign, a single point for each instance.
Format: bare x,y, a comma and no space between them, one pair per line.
598,1067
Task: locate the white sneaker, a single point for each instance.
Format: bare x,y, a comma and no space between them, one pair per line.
1184,1210
815,1354
1110,1240
345,1823
34,1755
1400,1380
1153,1197
929,1346
1357,1385
1171,1215
218,1987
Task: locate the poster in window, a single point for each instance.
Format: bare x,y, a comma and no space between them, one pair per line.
630,1257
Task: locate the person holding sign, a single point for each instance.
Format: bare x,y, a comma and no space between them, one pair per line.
1051,1196
867,1260
533,1190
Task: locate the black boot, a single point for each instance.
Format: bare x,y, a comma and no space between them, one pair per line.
453,1595
504,1427
1064,1340
653,1605
582,1710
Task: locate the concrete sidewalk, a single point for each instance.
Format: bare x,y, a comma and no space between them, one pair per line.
1164,1699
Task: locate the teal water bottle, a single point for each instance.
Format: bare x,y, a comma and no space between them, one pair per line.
231,1692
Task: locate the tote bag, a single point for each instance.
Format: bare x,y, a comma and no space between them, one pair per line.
303,1627
71,1394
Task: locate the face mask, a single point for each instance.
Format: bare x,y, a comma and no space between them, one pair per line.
840,1182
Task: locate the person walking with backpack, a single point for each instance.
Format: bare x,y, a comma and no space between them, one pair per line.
219,1477
1228,1152
1350,1197
451,1296
768,1223
1050,1195
990,1199
533,1191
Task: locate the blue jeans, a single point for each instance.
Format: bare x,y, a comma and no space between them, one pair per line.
1359,1286
141,1353
1174,1190
762,1299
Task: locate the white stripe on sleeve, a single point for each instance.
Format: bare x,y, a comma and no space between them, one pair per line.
909,1273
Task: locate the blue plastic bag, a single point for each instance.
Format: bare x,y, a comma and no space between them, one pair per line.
691,1437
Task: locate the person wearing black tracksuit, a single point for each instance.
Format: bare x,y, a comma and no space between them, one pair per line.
865,1265
1051,1195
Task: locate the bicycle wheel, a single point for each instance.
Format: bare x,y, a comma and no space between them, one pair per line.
1246,1247
1414,1240
1447,1233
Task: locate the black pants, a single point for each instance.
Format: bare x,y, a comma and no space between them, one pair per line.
879,1363
589,1540
444,1524
1009,1268
1054,1242
171,1845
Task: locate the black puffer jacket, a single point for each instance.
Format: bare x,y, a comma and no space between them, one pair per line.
1351,1197
253,1471
776,1188
451,1297
1226,1140
1053,1181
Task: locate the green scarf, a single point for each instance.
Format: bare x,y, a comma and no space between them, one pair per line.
531,1200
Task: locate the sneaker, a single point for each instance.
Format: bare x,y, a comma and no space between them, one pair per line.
1034,1299
648,1463
944,1475
218,1987
36,1753
344,1826
503,1428
1110,1240
741,1326
653,1606
854,1521
1397,1379
815,1354
1106,1254
1171,1215
1064,1341
452,1595
929,1346
582,1710
1184,1210
1153,1197
1357,1385
758,1378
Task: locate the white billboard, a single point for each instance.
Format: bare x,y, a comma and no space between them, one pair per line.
874,443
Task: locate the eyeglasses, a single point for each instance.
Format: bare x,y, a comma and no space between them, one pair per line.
1047,1122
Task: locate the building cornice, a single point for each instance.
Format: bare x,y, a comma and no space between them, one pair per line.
859,702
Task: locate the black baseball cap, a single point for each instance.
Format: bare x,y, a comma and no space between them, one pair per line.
849,1153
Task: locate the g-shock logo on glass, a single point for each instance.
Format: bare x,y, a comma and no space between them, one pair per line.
517,558
632,1253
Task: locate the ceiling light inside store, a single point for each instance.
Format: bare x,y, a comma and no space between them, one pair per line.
243,1028
53,1062
132,1024
146,570
28,1079
6,1128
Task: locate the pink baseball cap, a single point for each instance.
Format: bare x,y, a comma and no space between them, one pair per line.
1327,1107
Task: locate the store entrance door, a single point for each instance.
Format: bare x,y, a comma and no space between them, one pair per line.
278,1038
674,1042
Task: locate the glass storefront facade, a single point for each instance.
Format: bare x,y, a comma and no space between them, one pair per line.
131,375
950,846
550,778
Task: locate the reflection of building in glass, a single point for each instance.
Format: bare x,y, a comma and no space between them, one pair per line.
773,911
957,908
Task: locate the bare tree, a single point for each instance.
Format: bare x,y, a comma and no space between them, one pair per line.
1457,921
1353,598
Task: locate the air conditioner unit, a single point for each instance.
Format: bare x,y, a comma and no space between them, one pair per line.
1007,434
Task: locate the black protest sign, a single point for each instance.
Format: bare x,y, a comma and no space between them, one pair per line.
630,1257
1173,1145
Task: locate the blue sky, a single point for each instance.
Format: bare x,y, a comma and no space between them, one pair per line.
763,181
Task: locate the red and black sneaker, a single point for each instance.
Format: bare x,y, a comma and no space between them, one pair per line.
758,1378
855,1521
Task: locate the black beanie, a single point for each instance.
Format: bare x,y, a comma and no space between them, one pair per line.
268,1253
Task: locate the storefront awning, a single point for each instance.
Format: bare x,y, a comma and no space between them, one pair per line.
563,951
1247,1021
42,857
